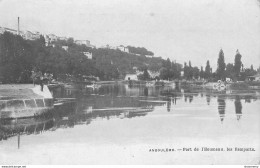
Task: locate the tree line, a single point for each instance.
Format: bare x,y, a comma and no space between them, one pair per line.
18,57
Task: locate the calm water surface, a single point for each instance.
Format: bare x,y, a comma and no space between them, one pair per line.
118,124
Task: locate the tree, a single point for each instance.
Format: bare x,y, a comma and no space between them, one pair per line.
207,71
196,72
201,72
164,73
186,70
145,75
221,66
230,71
238,63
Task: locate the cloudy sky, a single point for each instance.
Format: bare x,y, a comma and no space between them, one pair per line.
182,30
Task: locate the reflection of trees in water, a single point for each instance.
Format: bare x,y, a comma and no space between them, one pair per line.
238,107
146,91
10,128
70,114
208,98
188,96
221,107
169,104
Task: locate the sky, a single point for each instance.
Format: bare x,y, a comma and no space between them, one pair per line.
181,30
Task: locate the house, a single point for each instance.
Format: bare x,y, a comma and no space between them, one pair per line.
83,42
28,35
149,56
88,55
131,77
10,30
123,49
63,38
52,37
254,77
65,48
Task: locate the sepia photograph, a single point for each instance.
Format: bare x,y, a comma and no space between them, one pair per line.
129,82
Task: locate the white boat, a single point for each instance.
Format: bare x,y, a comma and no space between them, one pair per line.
93,86
215,85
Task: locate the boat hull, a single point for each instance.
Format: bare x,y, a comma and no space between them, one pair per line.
22,108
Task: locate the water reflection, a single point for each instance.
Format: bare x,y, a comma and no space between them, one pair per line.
238,107
221,107
121,101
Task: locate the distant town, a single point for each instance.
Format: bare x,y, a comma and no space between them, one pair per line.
70,59
50,38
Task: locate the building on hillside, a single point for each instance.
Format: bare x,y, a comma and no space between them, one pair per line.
88,55
123,48
85,42
149,56
65,48
254,77
52,37
47,40
28,35
131,77
13,31
63,38
82,42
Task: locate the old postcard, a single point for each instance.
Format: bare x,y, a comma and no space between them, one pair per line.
129,82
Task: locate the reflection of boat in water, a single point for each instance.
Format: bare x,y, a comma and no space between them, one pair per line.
93,86
16,108
150,83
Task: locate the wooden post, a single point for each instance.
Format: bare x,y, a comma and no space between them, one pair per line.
18,140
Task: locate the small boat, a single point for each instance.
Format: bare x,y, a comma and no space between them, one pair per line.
215,85
41,103
93,86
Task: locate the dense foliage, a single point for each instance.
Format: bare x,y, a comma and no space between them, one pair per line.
139,50
18,57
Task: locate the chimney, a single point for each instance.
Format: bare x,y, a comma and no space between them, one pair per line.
18,31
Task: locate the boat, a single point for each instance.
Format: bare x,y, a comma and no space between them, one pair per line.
37,103
215,85
93,86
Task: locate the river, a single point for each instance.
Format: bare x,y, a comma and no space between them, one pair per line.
121,124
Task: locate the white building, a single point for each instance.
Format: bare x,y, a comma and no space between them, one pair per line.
149,56
65,48
52,37
254,77
28,35
82,42
88,55
131,77
123,48
63,38
4,29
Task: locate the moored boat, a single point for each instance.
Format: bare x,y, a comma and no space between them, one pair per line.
18,105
